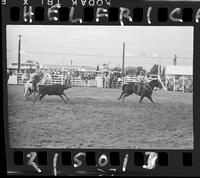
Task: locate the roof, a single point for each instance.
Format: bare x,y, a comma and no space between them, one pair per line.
179,70
75,67
14,65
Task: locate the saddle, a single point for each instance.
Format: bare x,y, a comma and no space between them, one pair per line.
142,86
147,86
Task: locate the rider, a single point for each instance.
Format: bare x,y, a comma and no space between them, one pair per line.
142,80
36,76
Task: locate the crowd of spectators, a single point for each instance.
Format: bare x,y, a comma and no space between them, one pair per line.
110,79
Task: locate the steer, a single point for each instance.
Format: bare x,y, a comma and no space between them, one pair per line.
56,89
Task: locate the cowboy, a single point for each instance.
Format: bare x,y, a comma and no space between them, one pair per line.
36,76
142,80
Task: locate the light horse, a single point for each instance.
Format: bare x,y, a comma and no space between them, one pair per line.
9,73
25,77
29,88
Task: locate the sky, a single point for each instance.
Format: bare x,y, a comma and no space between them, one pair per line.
93,45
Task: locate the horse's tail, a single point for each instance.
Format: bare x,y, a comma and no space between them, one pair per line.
123,87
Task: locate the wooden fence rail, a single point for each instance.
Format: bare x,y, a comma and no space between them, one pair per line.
76,81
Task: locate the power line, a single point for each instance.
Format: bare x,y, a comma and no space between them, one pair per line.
95,55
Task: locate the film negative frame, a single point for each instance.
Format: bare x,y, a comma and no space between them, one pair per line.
105,161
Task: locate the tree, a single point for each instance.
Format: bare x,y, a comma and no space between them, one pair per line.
154,69
163,72
131,70
116,69
148,74
97,67
139,69
29,61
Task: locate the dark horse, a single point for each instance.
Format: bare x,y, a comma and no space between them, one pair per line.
132,87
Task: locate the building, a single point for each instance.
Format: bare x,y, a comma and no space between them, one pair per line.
23,66
178,77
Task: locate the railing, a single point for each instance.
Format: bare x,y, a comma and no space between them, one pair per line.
21,80
130,79
58,79
76,81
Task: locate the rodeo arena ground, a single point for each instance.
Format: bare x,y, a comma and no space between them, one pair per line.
94,117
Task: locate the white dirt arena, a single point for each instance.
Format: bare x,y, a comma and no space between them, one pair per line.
96,119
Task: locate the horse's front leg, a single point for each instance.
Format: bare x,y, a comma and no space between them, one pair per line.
150,98
127,94
28,94
141,98
34,93
121,96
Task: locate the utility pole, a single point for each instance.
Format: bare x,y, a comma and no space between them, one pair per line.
62,82
159,66
19,57
175,59
19,53
123,62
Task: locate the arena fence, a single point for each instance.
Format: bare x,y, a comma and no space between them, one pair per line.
55,79
97,82
76,81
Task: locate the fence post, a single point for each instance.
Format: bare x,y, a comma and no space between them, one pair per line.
17,78
62,79
174,83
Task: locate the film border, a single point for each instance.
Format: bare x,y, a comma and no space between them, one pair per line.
175,165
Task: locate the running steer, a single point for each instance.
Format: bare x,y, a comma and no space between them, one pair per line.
130,88
56,89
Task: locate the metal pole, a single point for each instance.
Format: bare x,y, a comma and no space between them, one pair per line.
123,62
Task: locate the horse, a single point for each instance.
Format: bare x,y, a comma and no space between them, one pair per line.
25,77
9,73
132,87
29,88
